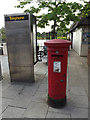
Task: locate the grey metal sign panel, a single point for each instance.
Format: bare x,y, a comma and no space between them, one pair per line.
21,44
22,74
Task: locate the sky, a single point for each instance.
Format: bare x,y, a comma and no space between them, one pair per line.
7,7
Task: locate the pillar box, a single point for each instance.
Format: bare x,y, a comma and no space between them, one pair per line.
57,71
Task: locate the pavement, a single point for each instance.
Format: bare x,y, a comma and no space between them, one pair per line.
29,100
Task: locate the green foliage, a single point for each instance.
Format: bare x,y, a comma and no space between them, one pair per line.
3,35
42,36
86,9
0,37
32,10
59,11
64,38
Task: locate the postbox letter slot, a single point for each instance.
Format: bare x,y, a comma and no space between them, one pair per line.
57,55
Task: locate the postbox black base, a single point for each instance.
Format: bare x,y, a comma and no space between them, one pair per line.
56,103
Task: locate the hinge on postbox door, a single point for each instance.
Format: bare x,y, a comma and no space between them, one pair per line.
64,75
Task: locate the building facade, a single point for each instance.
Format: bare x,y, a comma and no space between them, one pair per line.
80,36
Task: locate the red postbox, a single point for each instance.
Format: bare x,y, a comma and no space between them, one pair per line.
57,71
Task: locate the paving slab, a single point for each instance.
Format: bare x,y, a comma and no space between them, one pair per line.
40,97
10,94
13,112
5,86
43,88
16,87
36,110
21,101
75,90
45,81
5,83
75,81
57,115
5,103
0,109
78,101
0,117
89,113
79,113
29,91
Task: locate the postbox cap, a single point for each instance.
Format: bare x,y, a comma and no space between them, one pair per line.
57,42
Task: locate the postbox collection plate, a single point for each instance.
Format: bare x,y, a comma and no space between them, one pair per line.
57,66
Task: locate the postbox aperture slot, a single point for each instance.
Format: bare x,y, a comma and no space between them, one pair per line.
57,55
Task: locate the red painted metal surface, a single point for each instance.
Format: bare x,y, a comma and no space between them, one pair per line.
57,53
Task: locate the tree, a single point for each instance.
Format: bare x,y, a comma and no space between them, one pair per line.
0,37
59,11
86,9
3,35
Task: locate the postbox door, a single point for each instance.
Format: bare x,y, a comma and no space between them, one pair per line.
58,74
